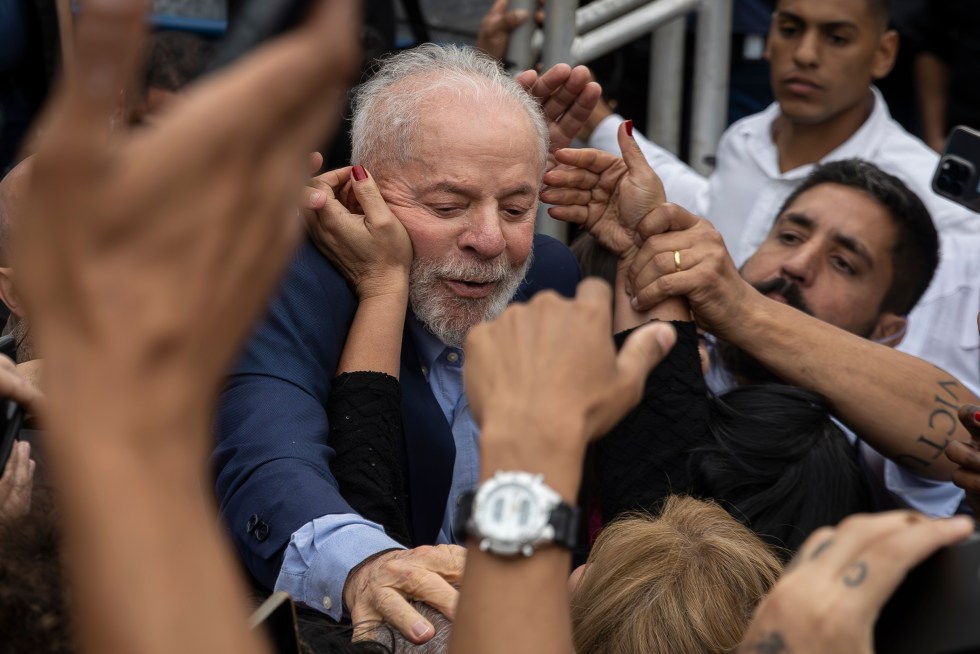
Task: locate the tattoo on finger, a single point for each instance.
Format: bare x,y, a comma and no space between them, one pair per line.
818,550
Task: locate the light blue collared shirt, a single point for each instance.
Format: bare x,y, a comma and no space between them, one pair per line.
321,553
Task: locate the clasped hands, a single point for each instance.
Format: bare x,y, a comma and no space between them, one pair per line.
665,250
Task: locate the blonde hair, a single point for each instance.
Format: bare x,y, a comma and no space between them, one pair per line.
685,582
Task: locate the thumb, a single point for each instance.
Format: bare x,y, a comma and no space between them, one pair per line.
643,350
315,163
368,195
636,161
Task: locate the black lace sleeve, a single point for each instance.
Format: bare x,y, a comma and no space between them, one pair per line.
364,409
645,457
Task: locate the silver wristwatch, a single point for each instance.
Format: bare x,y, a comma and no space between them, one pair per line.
516,513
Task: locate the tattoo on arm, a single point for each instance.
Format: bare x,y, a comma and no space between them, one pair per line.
942,424
774,643
856,574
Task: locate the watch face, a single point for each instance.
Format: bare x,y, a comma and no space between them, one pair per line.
510,513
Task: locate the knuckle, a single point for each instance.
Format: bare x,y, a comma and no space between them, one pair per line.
390,605
666,286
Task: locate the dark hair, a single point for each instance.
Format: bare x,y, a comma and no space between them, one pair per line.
915,254
175,59
594,259
34,612
779,463
880,9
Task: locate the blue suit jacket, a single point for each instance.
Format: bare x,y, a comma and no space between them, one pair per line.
272,459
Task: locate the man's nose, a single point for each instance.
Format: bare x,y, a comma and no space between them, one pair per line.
801,266
483,234
807,52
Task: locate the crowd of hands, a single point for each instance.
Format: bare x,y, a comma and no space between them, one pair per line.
147,268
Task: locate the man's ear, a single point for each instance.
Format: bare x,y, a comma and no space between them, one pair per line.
890,329
8,294
885,55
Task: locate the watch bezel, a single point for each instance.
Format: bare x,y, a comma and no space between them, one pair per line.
491,539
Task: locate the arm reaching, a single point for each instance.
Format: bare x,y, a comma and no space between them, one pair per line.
144,273
830,596
539,403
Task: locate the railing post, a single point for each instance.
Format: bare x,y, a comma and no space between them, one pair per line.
559,31
519,47
666,90
710,98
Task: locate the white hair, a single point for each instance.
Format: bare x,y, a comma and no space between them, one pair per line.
387,112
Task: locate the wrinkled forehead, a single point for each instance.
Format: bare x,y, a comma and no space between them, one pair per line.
850,214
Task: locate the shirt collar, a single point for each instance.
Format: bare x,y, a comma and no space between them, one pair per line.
428,344
862,144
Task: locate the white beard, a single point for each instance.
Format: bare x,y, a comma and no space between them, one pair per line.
449,316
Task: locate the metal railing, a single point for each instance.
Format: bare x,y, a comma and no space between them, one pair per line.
580,36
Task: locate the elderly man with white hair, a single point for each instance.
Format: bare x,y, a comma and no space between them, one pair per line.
456,149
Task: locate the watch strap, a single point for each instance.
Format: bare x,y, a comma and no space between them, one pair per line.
564,520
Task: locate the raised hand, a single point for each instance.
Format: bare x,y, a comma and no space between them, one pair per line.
830,596
521,372
170,239
567,96
145,258
603,193
371,249
496,27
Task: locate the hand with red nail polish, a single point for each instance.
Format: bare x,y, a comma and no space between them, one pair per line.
967,456
363,239
606,194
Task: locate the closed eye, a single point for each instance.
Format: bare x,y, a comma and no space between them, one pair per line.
446,210
516,212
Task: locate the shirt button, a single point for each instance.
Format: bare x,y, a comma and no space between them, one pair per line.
452,357
327,602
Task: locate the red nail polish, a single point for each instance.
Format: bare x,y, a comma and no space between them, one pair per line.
976,417
359,173
629,128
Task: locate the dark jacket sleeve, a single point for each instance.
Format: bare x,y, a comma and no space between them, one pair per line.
272,461
645,457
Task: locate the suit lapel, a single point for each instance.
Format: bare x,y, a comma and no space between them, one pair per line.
429,451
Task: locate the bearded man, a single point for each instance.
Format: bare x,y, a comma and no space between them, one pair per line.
458,150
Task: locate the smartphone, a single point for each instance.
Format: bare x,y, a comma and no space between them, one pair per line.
958,173
935,609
